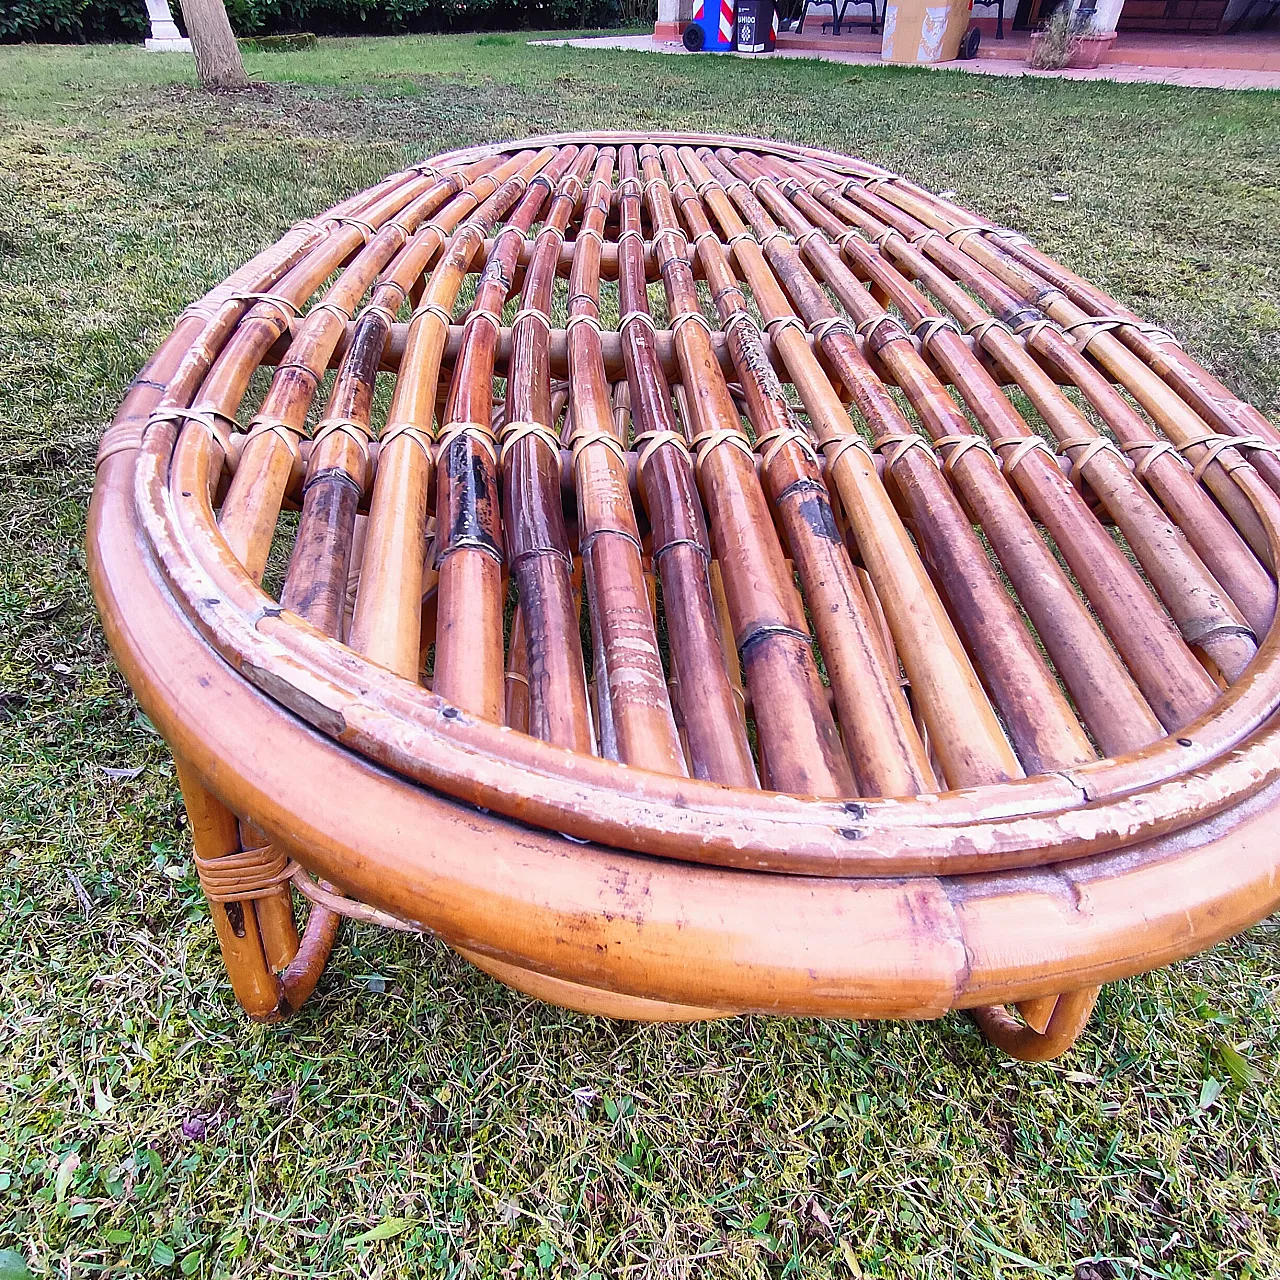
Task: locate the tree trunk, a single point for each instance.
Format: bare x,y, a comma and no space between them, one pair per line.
218,64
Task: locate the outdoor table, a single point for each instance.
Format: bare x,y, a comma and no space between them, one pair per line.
695,575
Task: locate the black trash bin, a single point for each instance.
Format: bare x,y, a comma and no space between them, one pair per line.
755,27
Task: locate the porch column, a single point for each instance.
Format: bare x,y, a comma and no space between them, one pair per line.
1105,15
165,36
673,16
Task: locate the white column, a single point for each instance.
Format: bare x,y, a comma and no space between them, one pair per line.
673,16
165,36
667,26
1106,15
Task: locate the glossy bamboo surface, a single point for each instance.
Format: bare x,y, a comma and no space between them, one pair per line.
721,502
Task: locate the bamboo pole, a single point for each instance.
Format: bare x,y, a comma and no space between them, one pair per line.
387,624
796,732
1204,614
1192,437
1163,354
635,721
965,730
1105,693
537,543
886,753
469,649
718,749
1210,533
269,455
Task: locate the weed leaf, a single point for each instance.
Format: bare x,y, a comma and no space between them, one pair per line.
13,1266
1236,1064
387,1229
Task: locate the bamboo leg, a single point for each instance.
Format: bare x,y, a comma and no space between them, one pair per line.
300,978
1070,1014
1036,1013
215,833
275,911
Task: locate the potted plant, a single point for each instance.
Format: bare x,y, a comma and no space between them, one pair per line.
1069,39
1052,45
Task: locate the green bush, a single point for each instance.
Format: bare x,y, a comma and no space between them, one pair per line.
65,21
377,17
79,20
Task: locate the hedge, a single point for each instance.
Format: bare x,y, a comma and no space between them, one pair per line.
82,20
72,21
254,17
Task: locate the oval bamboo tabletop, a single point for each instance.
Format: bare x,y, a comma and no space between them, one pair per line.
558,515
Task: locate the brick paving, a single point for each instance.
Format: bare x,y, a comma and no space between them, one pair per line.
1258,47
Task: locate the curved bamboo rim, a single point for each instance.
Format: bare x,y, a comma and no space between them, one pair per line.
604,920
1218,759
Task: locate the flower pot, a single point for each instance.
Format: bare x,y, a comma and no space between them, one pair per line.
1088,50
1082,51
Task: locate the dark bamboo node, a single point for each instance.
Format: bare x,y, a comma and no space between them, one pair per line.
695,575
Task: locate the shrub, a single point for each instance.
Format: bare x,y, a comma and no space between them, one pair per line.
378,17
72,20
81,20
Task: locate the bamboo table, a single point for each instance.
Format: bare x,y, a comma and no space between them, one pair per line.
717,576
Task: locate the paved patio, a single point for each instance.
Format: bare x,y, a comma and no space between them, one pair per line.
1196,62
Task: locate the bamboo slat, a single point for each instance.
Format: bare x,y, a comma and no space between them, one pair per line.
865,556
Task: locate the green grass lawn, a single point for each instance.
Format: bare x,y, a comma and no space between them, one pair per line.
416,1118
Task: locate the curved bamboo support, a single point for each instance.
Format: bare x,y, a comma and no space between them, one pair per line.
1068,1017
991,680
